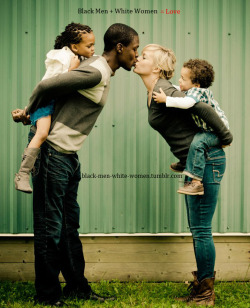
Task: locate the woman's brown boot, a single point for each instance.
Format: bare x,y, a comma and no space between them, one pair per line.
191,287
204,293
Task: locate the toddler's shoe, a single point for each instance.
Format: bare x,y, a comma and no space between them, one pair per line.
177,167
191,188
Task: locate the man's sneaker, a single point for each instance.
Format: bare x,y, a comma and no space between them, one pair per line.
58,304
52,303
96,297
177,167
191,188
86,296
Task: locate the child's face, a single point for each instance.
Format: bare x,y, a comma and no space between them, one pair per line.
86,47
185,80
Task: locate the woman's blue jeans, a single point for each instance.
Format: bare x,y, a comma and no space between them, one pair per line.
200,211
56,219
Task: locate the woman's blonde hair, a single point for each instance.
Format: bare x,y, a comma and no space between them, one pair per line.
164,59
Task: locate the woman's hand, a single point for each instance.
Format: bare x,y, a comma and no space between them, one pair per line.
74,63
159,97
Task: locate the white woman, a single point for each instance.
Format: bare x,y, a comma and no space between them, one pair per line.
156,66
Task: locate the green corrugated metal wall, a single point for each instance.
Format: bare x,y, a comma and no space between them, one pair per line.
122,141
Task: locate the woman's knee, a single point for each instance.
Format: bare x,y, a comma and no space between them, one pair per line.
201,232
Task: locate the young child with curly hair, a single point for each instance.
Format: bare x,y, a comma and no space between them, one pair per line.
74,44
196,77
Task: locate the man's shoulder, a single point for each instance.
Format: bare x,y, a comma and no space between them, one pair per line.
98,63
86,62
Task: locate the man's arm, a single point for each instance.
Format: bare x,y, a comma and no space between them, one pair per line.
62,85
212,119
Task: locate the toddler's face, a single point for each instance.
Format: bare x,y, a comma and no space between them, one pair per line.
185,80
86,47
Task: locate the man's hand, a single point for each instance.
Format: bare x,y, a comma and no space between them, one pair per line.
159,97
19,115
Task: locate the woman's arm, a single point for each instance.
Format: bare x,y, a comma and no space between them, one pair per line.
212,119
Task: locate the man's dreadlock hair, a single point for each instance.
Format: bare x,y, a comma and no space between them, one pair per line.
71,35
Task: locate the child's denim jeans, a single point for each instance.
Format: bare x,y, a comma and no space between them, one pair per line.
196,159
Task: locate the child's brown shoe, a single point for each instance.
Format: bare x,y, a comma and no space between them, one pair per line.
192,188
